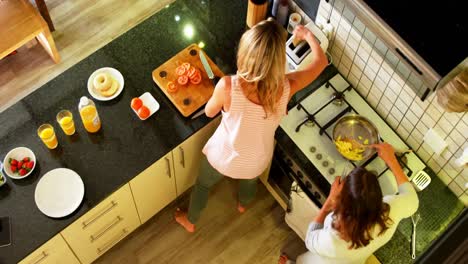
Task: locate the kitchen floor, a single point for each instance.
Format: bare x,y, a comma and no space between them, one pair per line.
223,235
82,27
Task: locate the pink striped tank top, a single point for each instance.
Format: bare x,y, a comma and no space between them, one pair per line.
242,145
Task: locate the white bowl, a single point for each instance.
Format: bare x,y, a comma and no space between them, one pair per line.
112,72
18,153
150,102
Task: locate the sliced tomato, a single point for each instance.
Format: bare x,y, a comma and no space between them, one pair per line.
183,80
171,87
191,71
196,79
181,70
186,65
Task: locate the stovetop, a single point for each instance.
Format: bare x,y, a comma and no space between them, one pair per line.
310,124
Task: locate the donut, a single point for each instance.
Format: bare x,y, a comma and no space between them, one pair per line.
111,91
102,82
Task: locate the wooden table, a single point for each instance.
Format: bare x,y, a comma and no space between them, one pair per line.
21,22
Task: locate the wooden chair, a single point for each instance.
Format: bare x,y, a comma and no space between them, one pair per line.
21,22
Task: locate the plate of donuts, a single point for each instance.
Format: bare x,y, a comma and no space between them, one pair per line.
105,84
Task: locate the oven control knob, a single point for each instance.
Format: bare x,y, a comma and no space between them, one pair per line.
299,174
317,195
331,171
319,156
289,162
308,185
325,163
313,149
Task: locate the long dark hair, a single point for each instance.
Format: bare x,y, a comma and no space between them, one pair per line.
359,208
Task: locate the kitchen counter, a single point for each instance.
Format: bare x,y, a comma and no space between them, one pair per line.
438,206
124,146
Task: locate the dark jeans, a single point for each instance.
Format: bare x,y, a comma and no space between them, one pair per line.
207,178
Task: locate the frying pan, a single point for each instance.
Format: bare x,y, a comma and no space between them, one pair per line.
358,130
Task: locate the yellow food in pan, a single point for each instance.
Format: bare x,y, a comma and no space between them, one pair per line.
350,148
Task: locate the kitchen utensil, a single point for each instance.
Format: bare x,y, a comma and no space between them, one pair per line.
115,74
421,180
208,69
189,98
415,219
150,102
199,113
206,65
18,153
59,192
358,129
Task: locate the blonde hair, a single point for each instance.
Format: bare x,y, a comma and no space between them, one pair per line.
261,60
453,96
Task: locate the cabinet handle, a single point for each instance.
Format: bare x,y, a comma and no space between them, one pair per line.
103,212
112,242
44,255
117,220
182,157
168,167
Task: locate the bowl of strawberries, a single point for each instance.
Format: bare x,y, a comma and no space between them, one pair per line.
19,163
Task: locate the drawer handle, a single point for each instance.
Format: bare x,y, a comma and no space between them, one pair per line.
103,212
168,167
44,255
112,242
117,220
182,157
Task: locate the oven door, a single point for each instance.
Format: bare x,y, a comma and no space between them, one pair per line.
280,178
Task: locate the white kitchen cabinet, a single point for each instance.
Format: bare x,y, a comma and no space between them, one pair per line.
154,188
187,157
103,226
54,251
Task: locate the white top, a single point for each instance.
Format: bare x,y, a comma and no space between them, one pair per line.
242,145
326,246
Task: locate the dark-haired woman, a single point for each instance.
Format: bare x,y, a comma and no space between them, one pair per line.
356,219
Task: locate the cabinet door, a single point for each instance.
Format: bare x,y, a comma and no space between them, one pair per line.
103,226
154,188
187,157
54,251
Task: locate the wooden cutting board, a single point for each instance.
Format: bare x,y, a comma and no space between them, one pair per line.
188,98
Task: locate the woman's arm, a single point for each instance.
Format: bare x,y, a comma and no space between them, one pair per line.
387,154
216,102
300,79
406,202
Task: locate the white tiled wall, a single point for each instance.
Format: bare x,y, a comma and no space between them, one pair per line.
392,89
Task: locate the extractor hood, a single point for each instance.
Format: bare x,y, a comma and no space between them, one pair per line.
428,36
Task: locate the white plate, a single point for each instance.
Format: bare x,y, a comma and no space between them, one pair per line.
150,102
18,153
59,192
115,74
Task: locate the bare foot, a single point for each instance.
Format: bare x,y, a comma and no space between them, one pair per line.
283,259
240,208
181,218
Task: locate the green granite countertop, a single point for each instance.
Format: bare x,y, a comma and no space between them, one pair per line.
438,207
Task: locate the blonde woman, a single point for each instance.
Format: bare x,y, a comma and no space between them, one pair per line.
252,103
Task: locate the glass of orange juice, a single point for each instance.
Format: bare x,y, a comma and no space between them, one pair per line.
65,119
47,134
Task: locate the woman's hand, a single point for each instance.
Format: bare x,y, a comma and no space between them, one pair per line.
387,154
385,151
335,191
300,32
